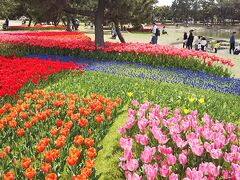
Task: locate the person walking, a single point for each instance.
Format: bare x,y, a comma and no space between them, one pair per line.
155,34
185,37
6,23
232,42
190,40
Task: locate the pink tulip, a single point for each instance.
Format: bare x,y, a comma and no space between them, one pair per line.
235,171
164,150
147,154
134,176
182,158
232,137
151,171
193,174
135,103
171,159
141,139
132,165
206,119
165,171
126,143
230,127
158,135
216,153
228,157
122,130
173,177
131,112
225,174
130,122
142,124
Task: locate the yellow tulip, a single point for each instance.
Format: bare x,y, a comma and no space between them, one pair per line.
186,111
191,99
201,100
130,94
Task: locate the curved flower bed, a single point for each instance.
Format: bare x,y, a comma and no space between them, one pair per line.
195,79
53,135
160,143
166,56
15,72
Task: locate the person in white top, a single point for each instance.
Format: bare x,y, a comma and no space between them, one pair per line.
155,34
203,44
197,42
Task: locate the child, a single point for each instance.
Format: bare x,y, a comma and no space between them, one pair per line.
203,44
237,50
216,46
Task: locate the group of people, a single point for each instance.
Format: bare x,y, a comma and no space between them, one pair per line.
156,33
201,43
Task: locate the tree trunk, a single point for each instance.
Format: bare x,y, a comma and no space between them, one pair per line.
68,23
30,22
120,36
99,18
64,22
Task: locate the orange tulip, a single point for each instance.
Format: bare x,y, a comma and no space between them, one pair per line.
20,132
30,173
91,153
51,176
27,125
86,171
46,167
12,124
72,160
78,140
40,147
89,142
23,115
25,162
80,177
83,122
8,176
75,152
54,131
89,163
98,118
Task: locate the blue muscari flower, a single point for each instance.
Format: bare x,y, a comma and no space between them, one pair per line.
195,79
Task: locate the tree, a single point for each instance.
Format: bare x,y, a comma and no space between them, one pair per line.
163,13
6,7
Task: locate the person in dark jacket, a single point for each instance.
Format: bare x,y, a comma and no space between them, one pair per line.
185,37
232,43
190,40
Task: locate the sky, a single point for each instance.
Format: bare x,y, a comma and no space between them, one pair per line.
165,2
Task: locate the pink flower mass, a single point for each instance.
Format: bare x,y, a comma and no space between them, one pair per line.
164,143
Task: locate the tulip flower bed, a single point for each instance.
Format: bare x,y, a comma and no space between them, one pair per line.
158,143
35,28
53,135
16,72
198,80
165,56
